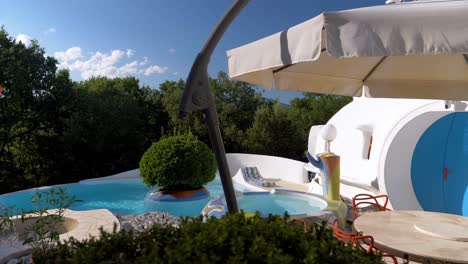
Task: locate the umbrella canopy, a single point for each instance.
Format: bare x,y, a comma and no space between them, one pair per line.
409,50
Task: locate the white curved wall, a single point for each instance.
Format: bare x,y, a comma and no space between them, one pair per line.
396,126
379,116
397,154
269,166
123,175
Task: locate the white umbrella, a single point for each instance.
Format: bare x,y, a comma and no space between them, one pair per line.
409,50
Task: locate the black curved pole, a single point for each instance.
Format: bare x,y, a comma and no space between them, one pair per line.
198,96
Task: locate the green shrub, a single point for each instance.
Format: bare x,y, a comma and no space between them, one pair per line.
232,239
42,231
180,162
39,227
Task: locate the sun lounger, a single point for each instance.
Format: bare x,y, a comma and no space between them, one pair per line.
253,176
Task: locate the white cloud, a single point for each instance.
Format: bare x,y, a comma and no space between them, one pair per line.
25,39
106,64
144,62
175,73
50,30
128,69
155,69
69,55
172,50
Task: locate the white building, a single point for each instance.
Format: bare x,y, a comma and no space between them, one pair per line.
416,151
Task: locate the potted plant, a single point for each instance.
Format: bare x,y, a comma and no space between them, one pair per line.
179,165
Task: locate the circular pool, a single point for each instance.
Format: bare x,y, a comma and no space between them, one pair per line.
277,202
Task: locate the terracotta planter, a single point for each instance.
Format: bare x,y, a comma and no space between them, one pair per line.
187,193
178,196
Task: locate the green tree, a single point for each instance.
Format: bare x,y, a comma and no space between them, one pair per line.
171,92
29,78
273,133
154,115
315,109
104,134
54,130
105,126
236,104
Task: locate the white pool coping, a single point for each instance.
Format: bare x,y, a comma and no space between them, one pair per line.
131,174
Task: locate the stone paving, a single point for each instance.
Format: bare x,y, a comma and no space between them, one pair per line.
89,223
79,224
138,223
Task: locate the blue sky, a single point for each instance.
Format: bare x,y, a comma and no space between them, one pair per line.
153,40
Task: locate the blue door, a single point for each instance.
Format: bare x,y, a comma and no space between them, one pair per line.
456,167
427,165
439,167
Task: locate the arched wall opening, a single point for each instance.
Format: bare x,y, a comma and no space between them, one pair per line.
439,165
396,159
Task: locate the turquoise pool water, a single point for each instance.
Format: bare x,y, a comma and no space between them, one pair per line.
277,204
128,197
119,196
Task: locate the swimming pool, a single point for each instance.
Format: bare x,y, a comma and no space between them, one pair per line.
127,196
277,203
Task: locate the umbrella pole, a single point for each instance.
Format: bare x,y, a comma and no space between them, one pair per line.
212,122
197,95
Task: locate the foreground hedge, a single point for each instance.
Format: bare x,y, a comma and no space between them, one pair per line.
232,239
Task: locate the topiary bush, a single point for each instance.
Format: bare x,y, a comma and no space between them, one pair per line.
180,162
232,239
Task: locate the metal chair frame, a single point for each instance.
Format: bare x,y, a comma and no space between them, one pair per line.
367,199
363,242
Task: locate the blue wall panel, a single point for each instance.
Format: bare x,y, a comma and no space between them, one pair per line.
456,161
428,163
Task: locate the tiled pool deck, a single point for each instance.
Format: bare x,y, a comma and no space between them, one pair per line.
90,222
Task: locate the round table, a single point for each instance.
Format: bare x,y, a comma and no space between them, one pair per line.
421,236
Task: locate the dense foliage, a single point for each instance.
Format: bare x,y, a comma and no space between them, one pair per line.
180,162
315,109
29,79
108,129
232,239
55,130
273,133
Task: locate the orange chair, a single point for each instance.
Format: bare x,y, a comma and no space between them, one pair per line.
367,199
365,243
